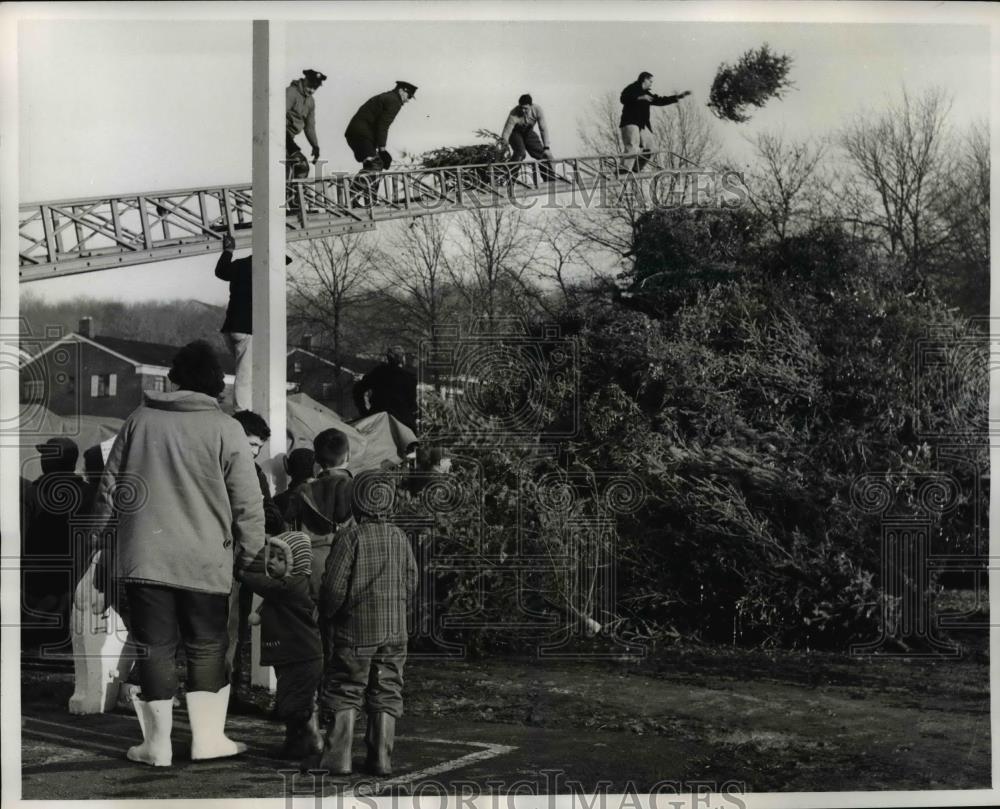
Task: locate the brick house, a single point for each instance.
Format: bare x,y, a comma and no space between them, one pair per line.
318,377
84,373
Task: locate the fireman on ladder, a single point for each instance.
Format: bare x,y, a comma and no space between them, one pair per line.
519,134
300,116
368,130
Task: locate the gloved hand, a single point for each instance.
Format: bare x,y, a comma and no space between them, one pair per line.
385,158
315,153
228,243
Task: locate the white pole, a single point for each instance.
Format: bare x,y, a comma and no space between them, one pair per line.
269,337
10,437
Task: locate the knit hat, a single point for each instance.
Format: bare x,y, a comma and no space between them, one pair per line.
297,548
196,368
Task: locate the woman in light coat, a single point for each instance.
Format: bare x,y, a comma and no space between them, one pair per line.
194,513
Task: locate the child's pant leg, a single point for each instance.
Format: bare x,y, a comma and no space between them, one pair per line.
384,693
344,679
295,694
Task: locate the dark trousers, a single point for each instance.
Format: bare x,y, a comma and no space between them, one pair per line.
240,603
298,166
526,141
295,696
362,145
366,678
160,617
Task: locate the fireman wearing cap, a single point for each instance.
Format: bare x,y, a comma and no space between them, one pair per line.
368,130
300,116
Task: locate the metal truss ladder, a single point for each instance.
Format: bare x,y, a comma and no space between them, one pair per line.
98,233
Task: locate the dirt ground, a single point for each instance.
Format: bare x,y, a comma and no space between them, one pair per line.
777,722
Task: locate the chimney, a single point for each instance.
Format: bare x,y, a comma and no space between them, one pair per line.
87,326
306,342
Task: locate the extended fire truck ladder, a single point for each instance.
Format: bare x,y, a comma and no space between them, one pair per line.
98,233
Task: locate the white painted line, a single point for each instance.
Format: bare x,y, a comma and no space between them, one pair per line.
489,751
486,751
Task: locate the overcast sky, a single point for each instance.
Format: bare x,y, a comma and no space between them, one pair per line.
109,106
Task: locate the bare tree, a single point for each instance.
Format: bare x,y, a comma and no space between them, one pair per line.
414,275
490,267
965,204
563,253
689,134
598,130
782,183
685,131
415,282
901,158
334,278
963,268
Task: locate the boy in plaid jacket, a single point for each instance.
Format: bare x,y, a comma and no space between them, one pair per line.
370,579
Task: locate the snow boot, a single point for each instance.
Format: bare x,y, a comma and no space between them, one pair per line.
379,739
156,720
207,715
302,737
336,758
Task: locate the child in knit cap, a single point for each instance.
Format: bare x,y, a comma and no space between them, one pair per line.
290,639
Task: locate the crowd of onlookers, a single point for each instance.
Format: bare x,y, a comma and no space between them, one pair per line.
334,575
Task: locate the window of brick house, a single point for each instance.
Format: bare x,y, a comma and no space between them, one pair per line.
103,385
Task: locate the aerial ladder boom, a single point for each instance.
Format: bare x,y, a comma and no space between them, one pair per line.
97,233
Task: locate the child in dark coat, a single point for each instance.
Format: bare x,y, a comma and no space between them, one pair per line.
290,639
368,584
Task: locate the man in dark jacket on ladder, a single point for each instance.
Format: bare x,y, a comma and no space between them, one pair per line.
238,325
636,99
368,130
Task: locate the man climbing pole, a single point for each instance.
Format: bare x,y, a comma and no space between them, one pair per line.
300,116
519,134
636,99
368,131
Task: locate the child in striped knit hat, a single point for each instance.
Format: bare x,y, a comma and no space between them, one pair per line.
290,639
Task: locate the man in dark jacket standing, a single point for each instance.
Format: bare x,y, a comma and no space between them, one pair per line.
368,130
636,99
50,554
389,388
238,325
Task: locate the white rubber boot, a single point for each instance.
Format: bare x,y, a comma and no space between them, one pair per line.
207,715
156,719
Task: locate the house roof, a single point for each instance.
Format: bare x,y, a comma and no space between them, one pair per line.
142,352
145,353
356,366
138,352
